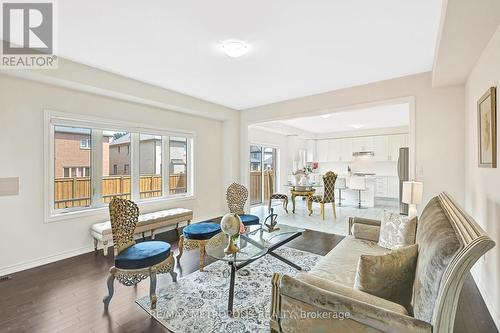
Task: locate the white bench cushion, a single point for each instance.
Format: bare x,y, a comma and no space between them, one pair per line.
168,216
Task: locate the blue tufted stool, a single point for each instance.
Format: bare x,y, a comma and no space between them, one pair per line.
196,235
249,220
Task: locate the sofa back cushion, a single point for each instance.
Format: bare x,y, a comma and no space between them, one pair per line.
437,245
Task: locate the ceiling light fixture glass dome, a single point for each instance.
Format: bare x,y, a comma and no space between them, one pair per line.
234,48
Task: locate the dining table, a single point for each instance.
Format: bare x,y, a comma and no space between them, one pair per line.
305,191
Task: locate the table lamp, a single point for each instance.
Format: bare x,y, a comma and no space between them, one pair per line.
412,195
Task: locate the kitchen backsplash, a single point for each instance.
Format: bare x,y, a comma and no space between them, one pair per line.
365,166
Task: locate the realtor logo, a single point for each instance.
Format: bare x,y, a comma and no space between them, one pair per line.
28,35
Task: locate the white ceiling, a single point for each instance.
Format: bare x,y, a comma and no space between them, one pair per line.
298,48
384,116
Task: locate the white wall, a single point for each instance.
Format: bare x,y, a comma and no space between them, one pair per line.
26,239
482,194
439,124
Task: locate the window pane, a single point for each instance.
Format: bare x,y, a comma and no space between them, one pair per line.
178,165
72,188
115,165
150,147
255,175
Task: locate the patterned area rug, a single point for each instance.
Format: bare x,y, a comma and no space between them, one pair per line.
198,301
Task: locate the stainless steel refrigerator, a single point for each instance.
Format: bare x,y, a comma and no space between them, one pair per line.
404,175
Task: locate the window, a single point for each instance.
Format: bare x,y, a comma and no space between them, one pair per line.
115,179
150,183
72,185
178,165
91,164
85,143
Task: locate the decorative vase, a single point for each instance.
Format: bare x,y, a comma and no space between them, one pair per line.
304,181
230,225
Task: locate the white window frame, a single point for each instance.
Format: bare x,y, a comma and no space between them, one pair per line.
97,125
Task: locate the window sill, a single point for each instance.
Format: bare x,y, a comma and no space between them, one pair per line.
102,211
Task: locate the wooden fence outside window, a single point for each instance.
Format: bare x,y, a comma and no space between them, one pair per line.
76,191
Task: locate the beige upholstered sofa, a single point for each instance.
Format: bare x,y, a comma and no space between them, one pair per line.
324,300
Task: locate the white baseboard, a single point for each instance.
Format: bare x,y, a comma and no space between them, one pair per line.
489,304
70,253
44,260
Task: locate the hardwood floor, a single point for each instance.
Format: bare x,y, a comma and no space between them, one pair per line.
66,296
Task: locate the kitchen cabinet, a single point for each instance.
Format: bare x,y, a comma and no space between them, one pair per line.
322,150
334,151
381,148
364,143
345,150
381,187
393,187
395,142
311,151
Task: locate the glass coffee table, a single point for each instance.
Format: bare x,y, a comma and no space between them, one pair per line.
254,244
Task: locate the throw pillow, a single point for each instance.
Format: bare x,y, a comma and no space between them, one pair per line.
365,231
389,276
397,230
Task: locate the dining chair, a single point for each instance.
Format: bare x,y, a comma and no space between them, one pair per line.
135,262
236,197
328,195
272,195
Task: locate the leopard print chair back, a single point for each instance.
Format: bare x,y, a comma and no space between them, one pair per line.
124,215
236,197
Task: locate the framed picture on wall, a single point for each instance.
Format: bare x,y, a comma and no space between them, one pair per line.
487,129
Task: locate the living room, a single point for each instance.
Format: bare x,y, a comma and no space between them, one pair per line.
171,101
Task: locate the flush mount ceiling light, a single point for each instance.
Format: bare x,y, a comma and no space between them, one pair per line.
234,48
357,126
325,116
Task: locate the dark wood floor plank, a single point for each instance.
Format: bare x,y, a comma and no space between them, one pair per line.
66,296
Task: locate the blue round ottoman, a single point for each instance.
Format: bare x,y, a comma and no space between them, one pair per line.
248,219
196,235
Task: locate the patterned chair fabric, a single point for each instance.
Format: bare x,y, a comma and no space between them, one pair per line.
124,215
236,197
272,195
328,195
329,189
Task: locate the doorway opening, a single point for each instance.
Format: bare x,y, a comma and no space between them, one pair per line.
263,161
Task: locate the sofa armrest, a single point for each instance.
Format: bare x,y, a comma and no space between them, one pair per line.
361,220
363,308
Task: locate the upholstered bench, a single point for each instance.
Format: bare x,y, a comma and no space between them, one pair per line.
149,222
196,236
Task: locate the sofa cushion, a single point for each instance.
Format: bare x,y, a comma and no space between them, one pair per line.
340,264
437,244
389,276
142,255
366,231
397,230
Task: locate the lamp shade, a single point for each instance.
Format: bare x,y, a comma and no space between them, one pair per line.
412,192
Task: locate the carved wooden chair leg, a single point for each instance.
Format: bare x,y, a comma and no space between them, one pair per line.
111,290
152,287
309,206
181,248
334,211
322,208
202,256
285,205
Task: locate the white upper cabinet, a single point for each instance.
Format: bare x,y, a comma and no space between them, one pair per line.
311,151
334,150
395,142
322,150
364,143
381,148
345,150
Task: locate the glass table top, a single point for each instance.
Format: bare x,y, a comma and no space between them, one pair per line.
253,244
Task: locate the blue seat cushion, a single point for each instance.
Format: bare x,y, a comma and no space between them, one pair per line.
201,231
248,219
142,255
